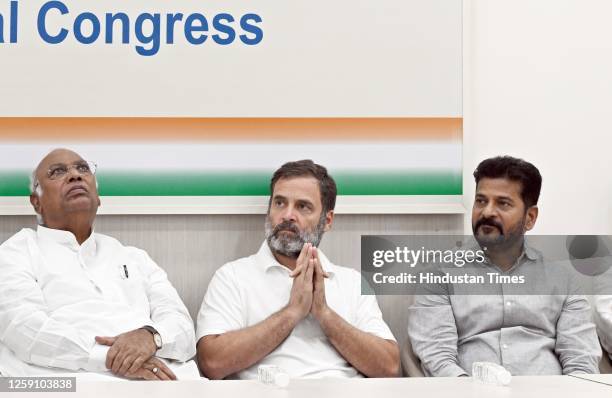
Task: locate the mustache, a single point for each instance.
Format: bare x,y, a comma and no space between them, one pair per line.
490,222
285,226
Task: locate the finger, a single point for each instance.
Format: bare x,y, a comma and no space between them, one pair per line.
110,356
137,364
297,271
105,340
148,374
318,273
126,365
302,260
303,253
316,257
307,264
309,272
166,370
118,361
163,375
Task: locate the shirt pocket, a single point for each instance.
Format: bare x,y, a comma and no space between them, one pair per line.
127,285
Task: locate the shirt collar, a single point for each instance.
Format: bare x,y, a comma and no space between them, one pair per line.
528,254
266,260
66,238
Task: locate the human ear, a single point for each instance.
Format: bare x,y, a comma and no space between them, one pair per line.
329,219
531,217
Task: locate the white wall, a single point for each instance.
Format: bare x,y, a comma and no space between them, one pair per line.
538,85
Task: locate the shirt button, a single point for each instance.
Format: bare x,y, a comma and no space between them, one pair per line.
509,303
505,346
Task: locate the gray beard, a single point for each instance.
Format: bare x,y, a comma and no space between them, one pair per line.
291,246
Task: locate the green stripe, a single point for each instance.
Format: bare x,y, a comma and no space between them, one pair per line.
251,184
14,183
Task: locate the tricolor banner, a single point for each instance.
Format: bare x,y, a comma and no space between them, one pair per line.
369,89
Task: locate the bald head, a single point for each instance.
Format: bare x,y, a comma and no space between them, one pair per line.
69,188
43,167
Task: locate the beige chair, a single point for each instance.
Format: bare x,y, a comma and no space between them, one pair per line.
410,362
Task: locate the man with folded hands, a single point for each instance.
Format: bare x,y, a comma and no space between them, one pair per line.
288,305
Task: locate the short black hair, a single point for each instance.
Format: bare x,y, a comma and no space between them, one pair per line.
301,168
513,169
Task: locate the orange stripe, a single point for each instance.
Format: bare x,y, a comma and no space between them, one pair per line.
89,129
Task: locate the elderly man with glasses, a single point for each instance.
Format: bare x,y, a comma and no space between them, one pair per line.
74,301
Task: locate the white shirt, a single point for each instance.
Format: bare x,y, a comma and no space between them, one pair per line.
603,320
245,292
57,295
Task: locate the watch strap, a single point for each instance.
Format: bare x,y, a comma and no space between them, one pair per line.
156,336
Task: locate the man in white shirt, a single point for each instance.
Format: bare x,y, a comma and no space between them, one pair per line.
288,305
72,300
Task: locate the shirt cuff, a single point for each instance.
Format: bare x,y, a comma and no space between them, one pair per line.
451,370
168,347
97,358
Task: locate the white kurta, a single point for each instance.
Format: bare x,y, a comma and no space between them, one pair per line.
57,295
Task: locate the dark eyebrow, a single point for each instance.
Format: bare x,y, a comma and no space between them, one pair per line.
306,202
276,197
508,198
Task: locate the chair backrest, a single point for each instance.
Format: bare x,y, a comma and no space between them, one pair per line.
410,362
605,365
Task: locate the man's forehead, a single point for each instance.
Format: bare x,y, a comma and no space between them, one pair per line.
499,187
64,156
305,187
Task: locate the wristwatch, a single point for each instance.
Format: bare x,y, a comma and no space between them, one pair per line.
156,336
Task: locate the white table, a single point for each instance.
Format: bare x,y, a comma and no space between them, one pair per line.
604,379
463,387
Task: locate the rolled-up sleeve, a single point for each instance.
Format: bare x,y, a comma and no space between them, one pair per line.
576,344
433,335
25,325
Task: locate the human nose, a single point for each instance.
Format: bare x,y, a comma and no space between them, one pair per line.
489,210
289,213
73,174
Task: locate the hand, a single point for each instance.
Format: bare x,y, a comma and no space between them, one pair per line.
153,369
300,300
302,261
319,303
128,351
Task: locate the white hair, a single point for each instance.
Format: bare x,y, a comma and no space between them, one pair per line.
34,185
35,188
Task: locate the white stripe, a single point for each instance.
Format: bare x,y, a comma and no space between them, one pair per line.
422,204
254,156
